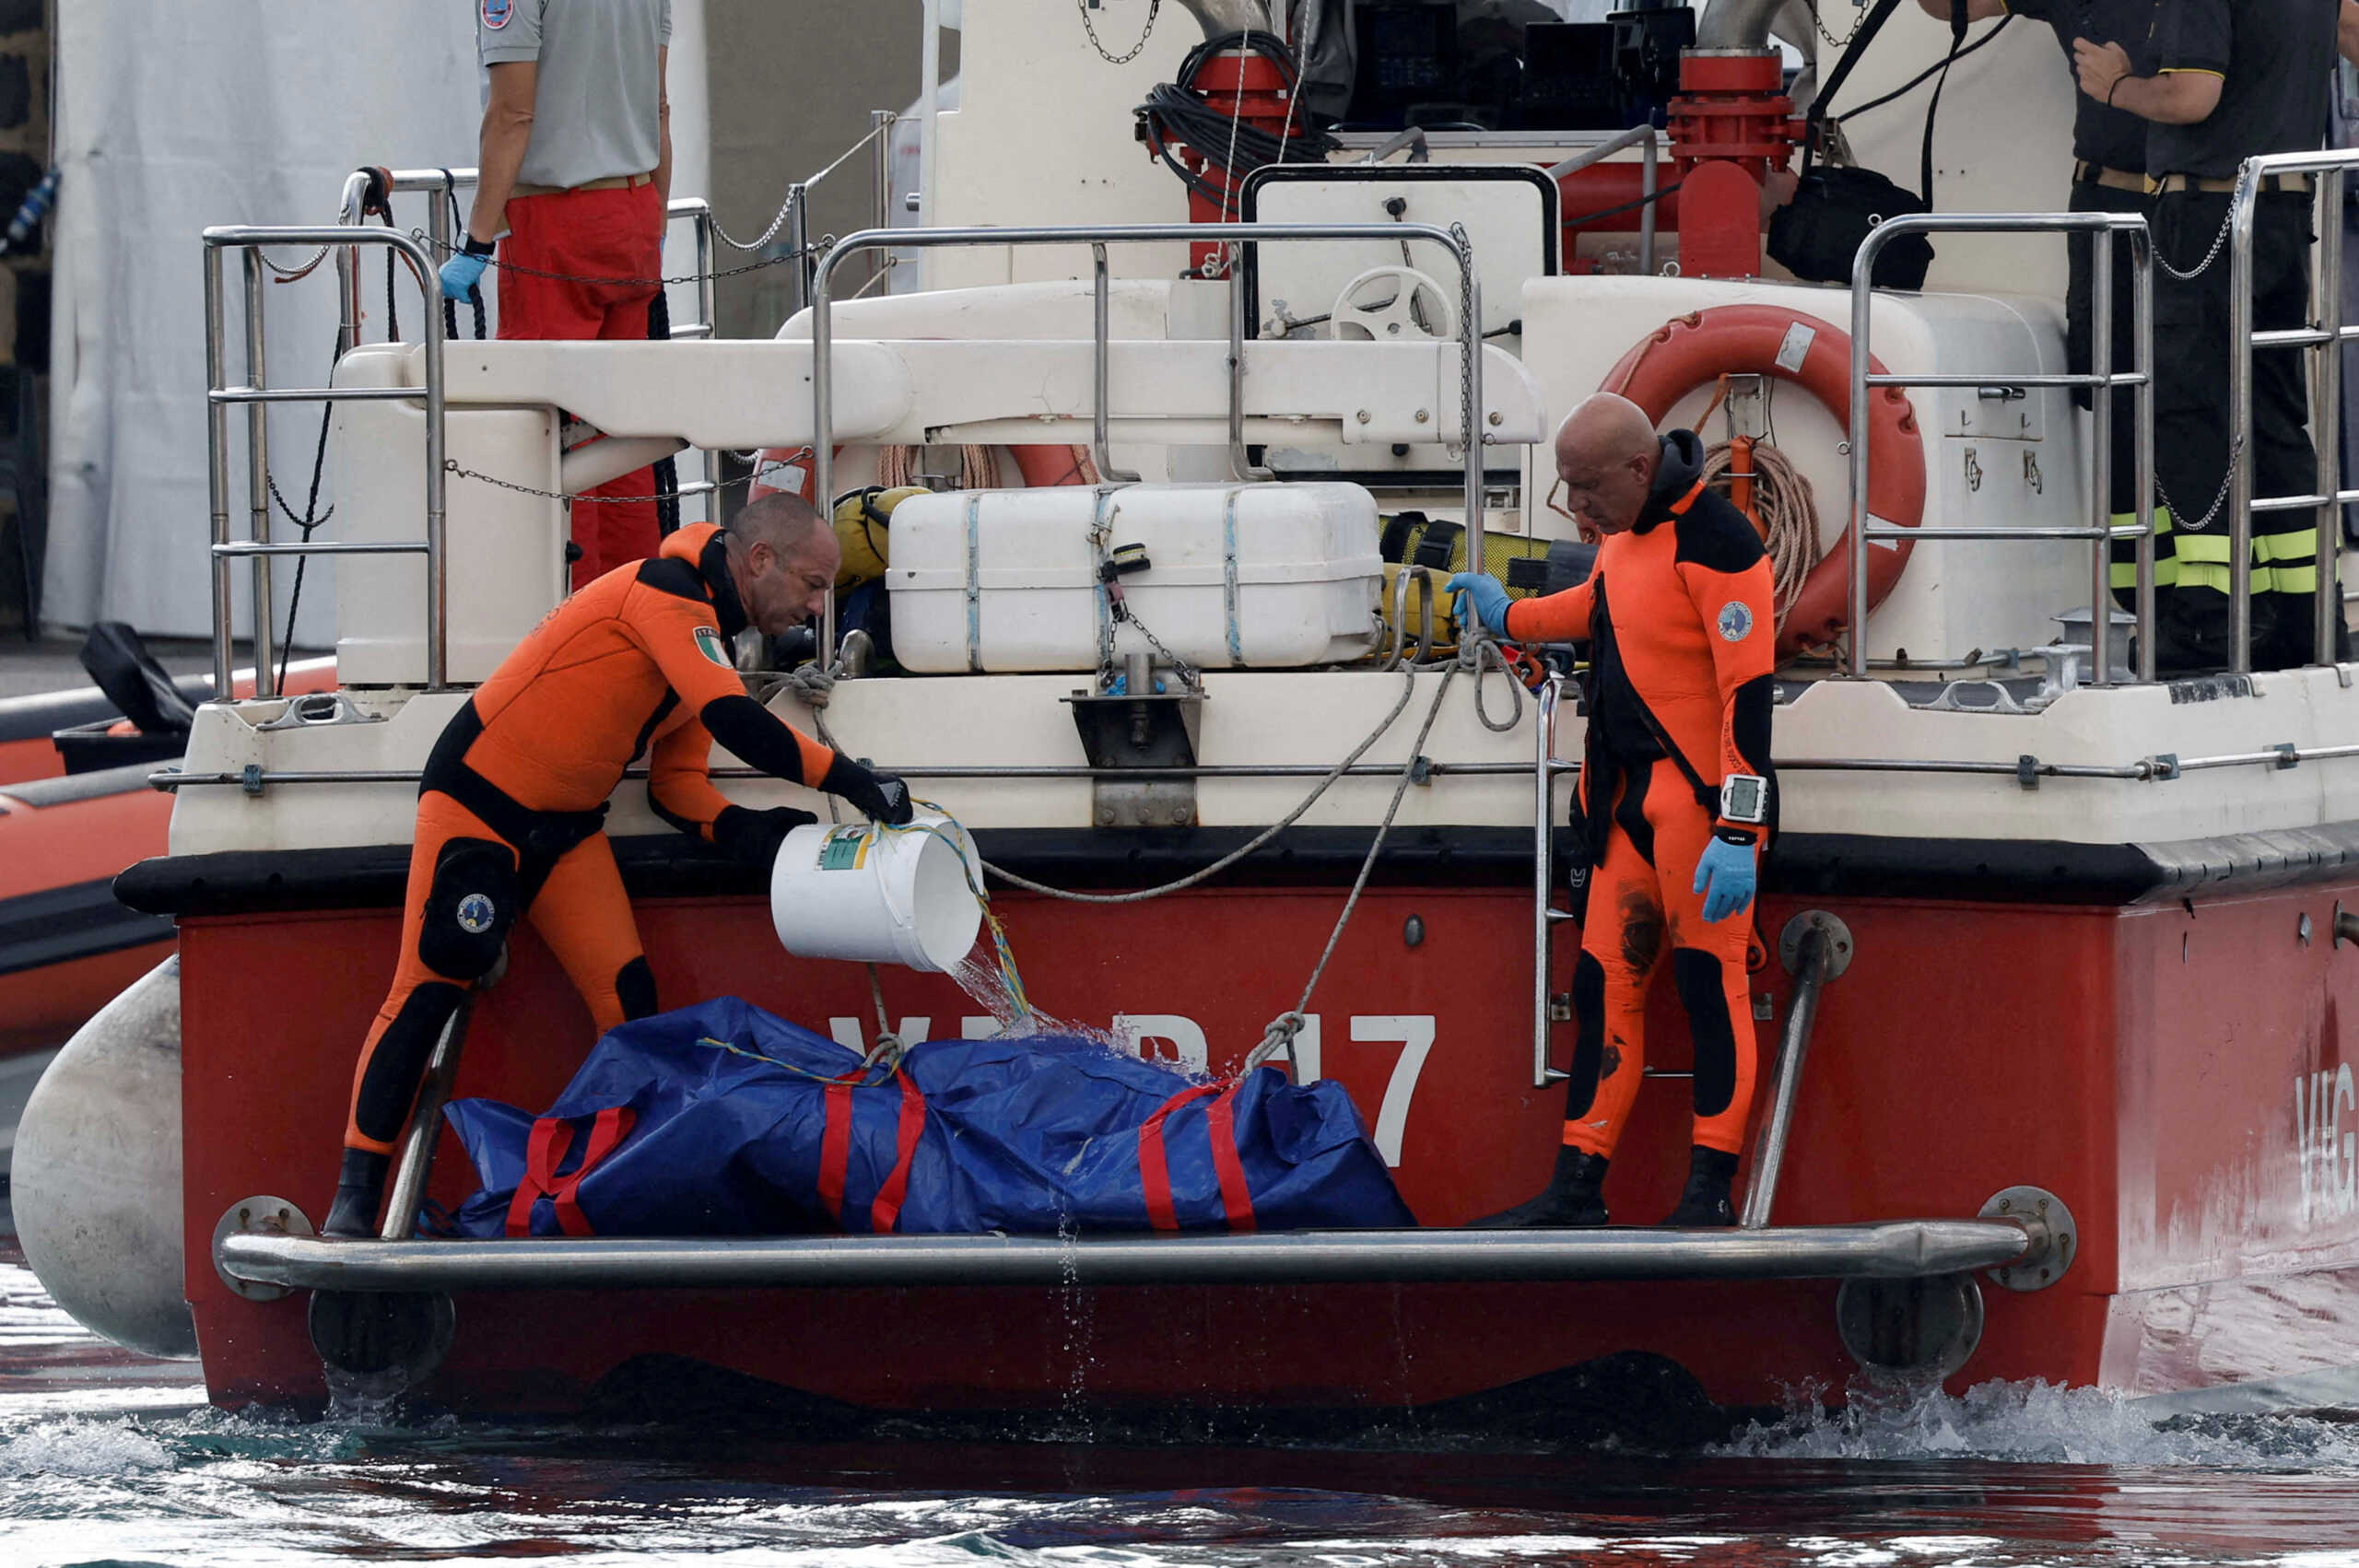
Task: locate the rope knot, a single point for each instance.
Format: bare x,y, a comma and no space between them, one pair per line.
810,683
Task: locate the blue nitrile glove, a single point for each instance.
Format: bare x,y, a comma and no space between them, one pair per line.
1489,596
461,273
1726,870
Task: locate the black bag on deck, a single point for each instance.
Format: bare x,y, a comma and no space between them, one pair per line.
1816,235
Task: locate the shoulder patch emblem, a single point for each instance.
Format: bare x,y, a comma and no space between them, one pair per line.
709,643
496,14
1736,620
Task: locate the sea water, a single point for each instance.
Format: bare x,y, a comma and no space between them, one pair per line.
105,1459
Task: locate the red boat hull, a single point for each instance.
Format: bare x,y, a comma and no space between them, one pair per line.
2141,1063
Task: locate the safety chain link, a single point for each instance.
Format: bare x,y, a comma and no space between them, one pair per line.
1153,9
2227,476
1843,42
787,206
2226,220
816,248
1472,417
450,466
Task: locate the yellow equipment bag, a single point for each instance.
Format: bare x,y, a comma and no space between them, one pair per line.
863,531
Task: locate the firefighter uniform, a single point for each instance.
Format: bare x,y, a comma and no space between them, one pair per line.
585,222
512,797
2109,175
2275,58
1679,616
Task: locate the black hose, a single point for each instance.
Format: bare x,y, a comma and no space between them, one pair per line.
1927,75
1626,206
1175,114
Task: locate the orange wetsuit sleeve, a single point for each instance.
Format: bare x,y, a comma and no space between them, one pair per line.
1558,617
679,780
681,635
1737,608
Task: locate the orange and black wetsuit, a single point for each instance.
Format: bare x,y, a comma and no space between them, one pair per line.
1678,613
511,803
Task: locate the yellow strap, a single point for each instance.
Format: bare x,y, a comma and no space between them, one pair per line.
2125,573
2302,545
2201,547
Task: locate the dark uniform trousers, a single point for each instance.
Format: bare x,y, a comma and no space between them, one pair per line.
2192,424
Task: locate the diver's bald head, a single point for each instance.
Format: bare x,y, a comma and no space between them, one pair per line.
1607,452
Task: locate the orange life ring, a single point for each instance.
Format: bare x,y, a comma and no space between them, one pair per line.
1693,350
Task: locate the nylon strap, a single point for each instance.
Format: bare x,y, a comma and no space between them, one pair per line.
835,1150
885,1211
1220,1123
1154,1169
552,1140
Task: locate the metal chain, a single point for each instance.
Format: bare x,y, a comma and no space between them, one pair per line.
2210,256
816,248
1188,674
450,466
1153,9
2227,476
1843,42
1472,419
787,206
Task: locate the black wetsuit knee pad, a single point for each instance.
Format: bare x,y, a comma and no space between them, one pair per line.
470,909
1705,996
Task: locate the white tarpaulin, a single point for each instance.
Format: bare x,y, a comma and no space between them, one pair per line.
176,114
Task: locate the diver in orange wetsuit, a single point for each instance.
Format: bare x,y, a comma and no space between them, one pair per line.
1676,790
512,801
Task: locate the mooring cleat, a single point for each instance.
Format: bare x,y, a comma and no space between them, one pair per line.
1572,1199
360,1188
1705,1203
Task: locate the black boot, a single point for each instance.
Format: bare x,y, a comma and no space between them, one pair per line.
1705,1201
1571,1200
359,1187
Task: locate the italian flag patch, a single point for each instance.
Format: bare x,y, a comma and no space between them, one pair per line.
709,643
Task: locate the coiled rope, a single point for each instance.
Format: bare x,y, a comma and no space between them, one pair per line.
1786,510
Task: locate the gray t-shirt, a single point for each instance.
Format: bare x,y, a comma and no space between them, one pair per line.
2274,59
594,105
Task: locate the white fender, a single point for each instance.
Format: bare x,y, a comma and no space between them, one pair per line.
97,1177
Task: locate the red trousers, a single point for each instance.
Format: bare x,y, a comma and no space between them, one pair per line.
589,234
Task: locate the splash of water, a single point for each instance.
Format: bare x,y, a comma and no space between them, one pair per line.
2037,1422
77,1448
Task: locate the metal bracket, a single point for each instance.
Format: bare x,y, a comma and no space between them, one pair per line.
314,710
258,1216
1838,943
2028,771
2055,1237
250,779
2346,925
1141,730
2165,765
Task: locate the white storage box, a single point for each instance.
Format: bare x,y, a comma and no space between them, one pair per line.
1240,575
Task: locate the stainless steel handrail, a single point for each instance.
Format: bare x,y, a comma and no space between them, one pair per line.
1545,916
1813,961
1899,1249
1460,249
2150,769
259,548
2325,393
2101,228
1650,140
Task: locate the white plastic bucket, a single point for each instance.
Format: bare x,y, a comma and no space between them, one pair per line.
879,896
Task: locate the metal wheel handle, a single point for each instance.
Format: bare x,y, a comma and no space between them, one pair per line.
1392,305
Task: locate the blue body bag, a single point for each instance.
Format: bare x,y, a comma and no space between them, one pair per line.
722,1119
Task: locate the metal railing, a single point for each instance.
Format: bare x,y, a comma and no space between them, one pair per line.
1643,136
2100,227
1545,916
257,397
2322,339
1096,238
